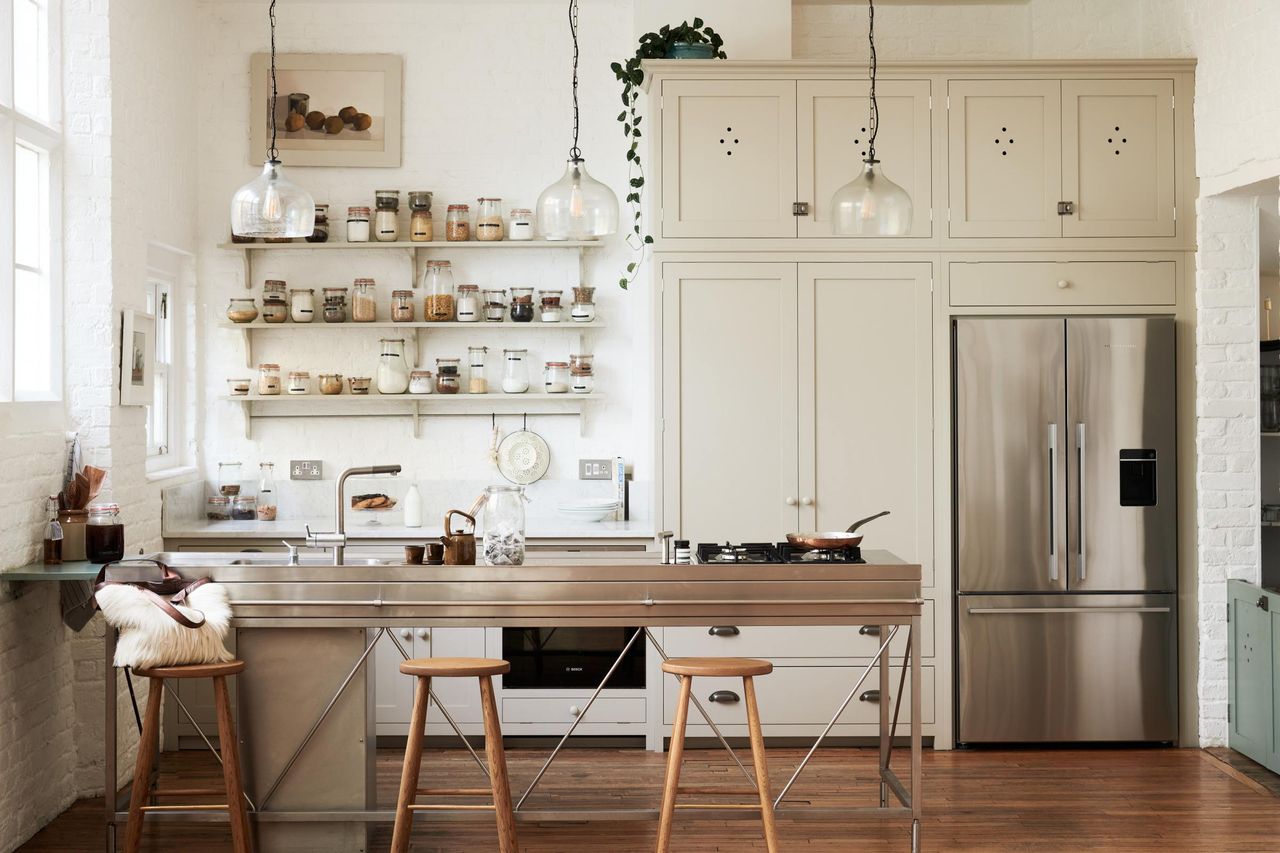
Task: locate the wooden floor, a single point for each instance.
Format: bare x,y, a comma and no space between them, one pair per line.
1059,800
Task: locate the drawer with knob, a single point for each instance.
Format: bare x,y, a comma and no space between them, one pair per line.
995,283
541,709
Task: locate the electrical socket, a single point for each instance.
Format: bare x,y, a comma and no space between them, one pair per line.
595,469
305,469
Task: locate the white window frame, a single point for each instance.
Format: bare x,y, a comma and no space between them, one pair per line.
162,437
170,286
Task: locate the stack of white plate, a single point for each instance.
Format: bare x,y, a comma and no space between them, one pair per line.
597,509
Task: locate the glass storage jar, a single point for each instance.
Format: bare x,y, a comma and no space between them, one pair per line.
402,306
386,224
457,223
239,387
489,219
335,305
228,479
495,306
275,289
549,300
504,526
275,307
421,382
320,234
447,375
364,301
555,377
330,383
521,227
104,534
268,380
393,367
437,283
522,304
515,371
421,229
581,375
299,382
217,508
468,303
476,381
244,508
242,310
357,225
584,305
303,305
267,491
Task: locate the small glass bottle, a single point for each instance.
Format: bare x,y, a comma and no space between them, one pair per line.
364,301
267,492
335,304
402,306
584,305
555,377
522,304
321,232
357,225
104,534
242,310
515,373
489,226
386,222
303,307
549,301
468,303
299,382
437,282
521,226
495,306
421,229
447,376
52,534
268,380
476,382
457,224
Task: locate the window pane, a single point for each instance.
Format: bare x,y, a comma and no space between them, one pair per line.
32,353
28,62
27,215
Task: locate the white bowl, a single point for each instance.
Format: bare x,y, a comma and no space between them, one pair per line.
589,515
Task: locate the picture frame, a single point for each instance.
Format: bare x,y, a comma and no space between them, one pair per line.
326,83
137,358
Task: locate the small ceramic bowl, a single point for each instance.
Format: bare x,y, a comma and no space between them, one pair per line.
359,384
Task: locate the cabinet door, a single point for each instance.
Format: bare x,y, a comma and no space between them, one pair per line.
729,421
728,158
832,143
393,692
1006,158
866,398
1117,158
1250,673
461,696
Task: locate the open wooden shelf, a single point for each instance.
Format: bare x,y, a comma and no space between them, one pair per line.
332,245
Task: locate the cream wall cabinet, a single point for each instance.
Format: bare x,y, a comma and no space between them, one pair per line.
393,692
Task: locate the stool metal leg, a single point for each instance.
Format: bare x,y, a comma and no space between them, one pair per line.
241,835
412,767
675,756
762,767
142,769
498,780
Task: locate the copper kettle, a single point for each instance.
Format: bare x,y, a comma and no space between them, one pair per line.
459,547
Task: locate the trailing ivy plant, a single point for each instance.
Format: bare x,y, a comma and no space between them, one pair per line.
631,74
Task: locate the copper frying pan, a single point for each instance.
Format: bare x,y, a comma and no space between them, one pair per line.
831,540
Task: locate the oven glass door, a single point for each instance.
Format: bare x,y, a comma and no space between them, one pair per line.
570,657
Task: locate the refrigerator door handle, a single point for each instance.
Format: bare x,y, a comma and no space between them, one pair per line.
1080,493
1053,497
993,611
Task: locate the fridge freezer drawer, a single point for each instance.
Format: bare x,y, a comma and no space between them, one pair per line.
1050,668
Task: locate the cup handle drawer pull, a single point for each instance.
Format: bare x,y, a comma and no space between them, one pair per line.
869,696
724,631
726,697
869,630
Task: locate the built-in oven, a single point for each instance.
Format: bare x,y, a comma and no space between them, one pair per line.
558,658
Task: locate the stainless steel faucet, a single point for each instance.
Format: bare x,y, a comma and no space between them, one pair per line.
338,540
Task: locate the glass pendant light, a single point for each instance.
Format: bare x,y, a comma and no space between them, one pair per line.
271,205
871,205
576,207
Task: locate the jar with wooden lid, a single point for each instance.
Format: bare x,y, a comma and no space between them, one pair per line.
364,301
437,283
335,304
489,225
421,382
457,223
302,308
522,304
447,376
402,306
421,228
477,383
268,380
358,225
495,306
242,310
549,301
555,377
330,383
299,382
468,303
386,221
521,226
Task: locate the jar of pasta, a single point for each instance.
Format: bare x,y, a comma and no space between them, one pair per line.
364,301
457,223
489,219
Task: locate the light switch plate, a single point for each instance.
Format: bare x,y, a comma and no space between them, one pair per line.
595,469
305,469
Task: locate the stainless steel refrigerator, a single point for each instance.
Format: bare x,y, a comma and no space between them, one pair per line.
1065,529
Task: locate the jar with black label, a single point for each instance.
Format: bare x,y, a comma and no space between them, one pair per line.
402,306
421,228
522,304
386,224
457,223
447,373
495,306
275,302
104,534
335,304
357,225
489,219
321,232
467,305
303,305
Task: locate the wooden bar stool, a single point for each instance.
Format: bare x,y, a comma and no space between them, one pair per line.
687,669
425,669
241,841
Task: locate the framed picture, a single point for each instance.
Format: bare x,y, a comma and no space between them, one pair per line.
137,358
331,109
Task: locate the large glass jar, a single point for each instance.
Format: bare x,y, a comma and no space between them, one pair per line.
495,306
386,225
468,304
320,234
242,310
402,306
489,219
522,304
267,492
584,305
303,307
504,526
357,225
515,371
457,223
555,377
244,508
335,305
549,300
268,380
476,382
364,301
393,367
104,534
437,284
421,229
521,227
447,371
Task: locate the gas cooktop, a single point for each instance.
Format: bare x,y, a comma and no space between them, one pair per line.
766,552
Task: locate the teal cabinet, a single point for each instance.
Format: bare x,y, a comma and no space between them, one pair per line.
1254,658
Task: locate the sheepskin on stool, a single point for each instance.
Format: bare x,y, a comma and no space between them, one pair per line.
149,637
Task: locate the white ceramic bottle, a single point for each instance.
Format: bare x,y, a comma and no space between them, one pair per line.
412,507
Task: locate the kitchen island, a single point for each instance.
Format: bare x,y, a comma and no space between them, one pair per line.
306,633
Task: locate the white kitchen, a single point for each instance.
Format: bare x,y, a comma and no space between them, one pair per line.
639,425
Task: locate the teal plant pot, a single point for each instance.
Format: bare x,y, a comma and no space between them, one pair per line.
684,50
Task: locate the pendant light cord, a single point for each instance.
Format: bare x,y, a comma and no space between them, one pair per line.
874,120
575,153
273,153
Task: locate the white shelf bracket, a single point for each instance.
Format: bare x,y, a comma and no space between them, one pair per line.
246,334
246,258
246,408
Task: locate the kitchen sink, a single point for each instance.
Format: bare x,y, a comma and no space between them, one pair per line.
178,559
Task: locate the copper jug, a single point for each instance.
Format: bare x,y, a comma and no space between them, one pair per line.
459,547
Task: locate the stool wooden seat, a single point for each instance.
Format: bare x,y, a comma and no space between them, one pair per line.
233,788
687,669
423,670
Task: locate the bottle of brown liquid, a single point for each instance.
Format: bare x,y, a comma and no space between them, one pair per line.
53,536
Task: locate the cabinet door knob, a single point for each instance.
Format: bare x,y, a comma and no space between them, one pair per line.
1063,284
575,711
806,501
791,501
406,634
424,634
